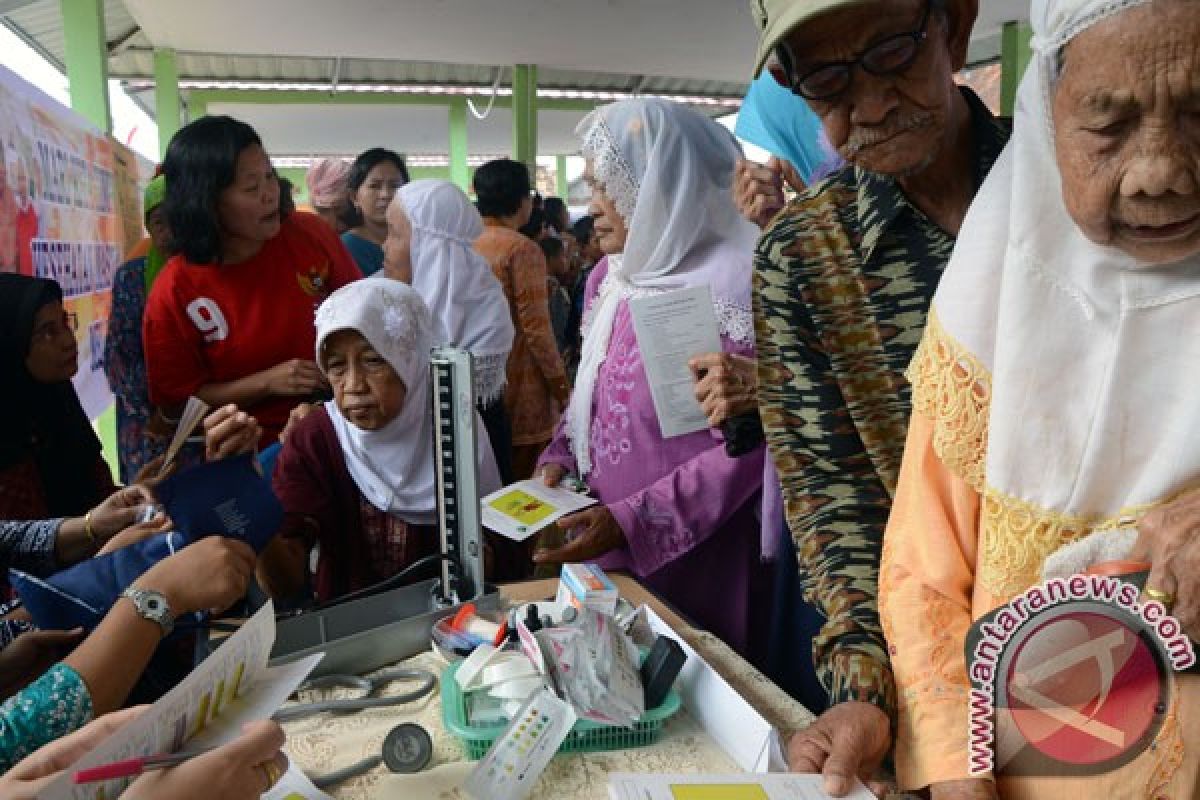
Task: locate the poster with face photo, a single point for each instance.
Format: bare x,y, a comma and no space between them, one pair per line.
65,195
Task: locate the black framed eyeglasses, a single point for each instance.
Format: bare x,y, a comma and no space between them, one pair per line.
886,57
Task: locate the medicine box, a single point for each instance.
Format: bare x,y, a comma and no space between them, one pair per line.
586,586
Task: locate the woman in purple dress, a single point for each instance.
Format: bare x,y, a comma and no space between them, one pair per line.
676,512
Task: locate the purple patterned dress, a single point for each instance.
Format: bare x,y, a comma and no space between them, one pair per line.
690,513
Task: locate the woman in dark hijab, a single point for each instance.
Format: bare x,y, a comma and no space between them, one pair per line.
50,457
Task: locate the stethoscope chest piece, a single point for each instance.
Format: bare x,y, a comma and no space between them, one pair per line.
407,748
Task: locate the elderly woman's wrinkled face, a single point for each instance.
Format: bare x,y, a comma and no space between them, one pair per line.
397,247
610,230
366,389
1127,131
891,124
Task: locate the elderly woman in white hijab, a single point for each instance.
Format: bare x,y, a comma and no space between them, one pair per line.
432,227
1055,402
356,477
677,511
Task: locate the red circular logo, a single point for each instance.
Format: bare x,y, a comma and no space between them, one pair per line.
1085,688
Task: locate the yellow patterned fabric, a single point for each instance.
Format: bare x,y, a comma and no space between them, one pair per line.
1016,537
953,388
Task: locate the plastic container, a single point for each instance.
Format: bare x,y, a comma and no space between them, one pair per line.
585,737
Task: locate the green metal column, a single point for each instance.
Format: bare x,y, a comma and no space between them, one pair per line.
524,107
560,177
87,60
197,106
166,97
460,173
1014,58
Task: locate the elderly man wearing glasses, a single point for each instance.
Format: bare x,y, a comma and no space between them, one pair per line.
844,277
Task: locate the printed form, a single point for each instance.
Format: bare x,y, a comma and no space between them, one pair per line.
671,328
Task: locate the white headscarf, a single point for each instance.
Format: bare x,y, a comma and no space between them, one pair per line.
394,466
669,172
1093,410
456,282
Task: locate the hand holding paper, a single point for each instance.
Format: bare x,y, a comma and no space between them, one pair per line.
521,510
590,534
193,413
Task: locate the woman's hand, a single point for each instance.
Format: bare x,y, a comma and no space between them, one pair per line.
121,509
209,575
229,432
294,417
1169,539
296,378
590,534
758,190
552,475
726,385
158,524
31,654
970,789
241,770
37,771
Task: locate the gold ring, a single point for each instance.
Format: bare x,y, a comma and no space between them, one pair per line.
271,772
1166,598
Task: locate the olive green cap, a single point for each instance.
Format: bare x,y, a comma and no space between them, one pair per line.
777,18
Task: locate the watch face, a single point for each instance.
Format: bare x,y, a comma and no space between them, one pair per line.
153,606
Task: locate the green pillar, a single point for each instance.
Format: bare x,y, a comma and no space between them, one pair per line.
87,60
1014,58
166,97
524,107
560,177
460,174
196,107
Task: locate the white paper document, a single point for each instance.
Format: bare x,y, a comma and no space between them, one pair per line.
524,508
671,329
295,785
193,413
724,787
231,687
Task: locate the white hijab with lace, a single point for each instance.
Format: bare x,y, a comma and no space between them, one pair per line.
456,282
394,466
1054,367
669,172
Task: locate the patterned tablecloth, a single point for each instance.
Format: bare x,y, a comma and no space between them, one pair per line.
326,742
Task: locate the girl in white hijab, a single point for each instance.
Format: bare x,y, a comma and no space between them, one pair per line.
356,477
1054,397
432,227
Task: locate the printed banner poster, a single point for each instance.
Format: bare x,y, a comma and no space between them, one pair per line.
69,210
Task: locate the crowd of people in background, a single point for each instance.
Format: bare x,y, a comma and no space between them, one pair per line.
951,356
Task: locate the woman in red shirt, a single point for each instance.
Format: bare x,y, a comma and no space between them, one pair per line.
230,320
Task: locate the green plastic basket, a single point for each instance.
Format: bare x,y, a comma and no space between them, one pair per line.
585,737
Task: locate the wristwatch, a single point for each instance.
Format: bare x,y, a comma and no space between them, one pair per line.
153,606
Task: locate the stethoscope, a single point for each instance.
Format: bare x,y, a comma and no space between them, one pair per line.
406,748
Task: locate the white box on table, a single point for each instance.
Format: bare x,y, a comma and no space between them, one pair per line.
586,586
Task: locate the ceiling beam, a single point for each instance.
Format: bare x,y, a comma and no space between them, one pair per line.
121,43
268,97
34,44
